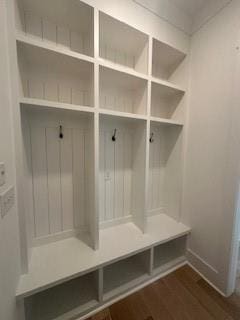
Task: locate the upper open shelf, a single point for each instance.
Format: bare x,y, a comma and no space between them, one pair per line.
62,23
167,102
165,60
122,92
123,44
48,75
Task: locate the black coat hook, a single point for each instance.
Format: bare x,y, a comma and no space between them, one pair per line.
151,140
60,132
114,135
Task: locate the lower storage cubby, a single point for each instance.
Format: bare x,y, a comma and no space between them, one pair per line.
125,274
169,254
64,301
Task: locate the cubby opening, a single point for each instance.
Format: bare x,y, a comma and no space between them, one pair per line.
122,170
167,102
165,60
122,92
122,44
47,75
169,254
68,24
58,156
64,301
125,274
165,169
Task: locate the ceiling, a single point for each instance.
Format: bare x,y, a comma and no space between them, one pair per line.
191,7
187,15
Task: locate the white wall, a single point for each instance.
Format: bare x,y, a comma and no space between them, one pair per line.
212,154
9,236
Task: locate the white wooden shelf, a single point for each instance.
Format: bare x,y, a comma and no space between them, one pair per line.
121,68
40,103
165,60
123,44
167,84
67,24
169,254
121,91
40,43
125,274
120,114
166,121
65,301
115,243
102,203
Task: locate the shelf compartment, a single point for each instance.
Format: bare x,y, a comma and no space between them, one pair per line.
75,257
58,174
167,102
64,24
169,254
122,170
125,274
122,44
122,92
165,60
48,75
165,169
64,301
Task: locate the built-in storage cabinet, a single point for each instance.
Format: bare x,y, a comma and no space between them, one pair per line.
100,146
169,254
122,44
59,161
125,274
165,60
64,301
63,23
122,92
165,169
47,75
122,170
167,102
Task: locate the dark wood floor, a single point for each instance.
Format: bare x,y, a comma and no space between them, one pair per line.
182,295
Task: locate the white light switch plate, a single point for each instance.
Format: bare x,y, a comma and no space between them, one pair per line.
2,174
7,199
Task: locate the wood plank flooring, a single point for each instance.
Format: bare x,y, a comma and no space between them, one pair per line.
182,295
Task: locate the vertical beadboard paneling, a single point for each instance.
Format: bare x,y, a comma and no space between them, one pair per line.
127,153
66,164
78,177
40,185
118,176
59,175
109,176
115,185
54,181
102,177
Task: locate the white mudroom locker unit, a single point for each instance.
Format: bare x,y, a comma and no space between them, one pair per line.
100,123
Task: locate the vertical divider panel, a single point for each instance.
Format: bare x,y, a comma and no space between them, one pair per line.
100,285
148,132
96,130
151,260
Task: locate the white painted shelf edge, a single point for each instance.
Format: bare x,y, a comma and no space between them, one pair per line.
56,105
34,41
166,121
60,261
22,37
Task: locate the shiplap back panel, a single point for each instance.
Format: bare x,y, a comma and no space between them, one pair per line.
165,171
58,176
156,172
115,174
